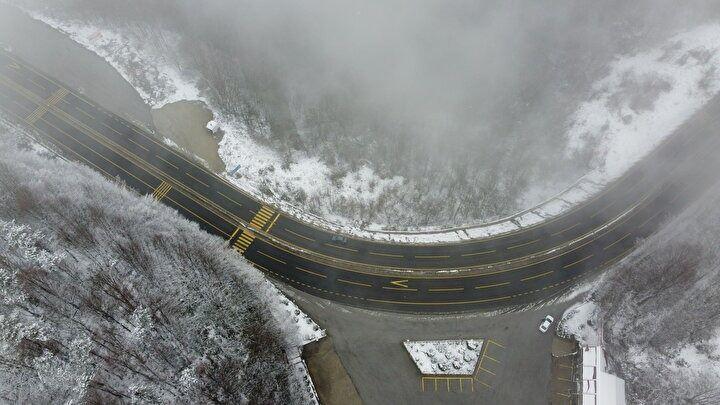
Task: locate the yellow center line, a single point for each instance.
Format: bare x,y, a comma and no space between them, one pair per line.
477,253
576,262
311,272
564,230
445,289
538,275
480,287
299,236
340,247
617,241
387,255
271,257
196,179
354,283
522,244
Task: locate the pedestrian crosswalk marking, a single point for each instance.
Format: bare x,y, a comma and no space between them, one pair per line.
45,106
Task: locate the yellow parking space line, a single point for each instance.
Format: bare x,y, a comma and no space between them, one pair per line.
272,257
565,366
311,272
578,261
547,273
496,343
340,247
386,255
354,283
486,370
483,383
299,235
445,289
478,253
522,244
480,287
617,241
491,359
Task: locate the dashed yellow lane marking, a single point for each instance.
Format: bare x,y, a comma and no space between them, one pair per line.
387,255
445,289
578,261
649,219
196,179
340,247
353,283
138,145
167,162
617,241
13,65
547,273
272,257
564,230
399,288
480,287
229,199
430,257
522,244
478,253
299,235
162,190
603,209
311,272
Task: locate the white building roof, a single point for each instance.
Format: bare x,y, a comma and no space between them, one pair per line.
600,387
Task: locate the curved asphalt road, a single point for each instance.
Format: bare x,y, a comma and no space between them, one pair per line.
535,262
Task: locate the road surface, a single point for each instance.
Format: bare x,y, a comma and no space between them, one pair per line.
513,268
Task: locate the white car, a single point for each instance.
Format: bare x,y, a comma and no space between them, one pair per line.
545,324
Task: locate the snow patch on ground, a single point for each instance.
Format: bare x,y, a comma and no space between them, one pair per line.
645,97
445,357
580,322
158,81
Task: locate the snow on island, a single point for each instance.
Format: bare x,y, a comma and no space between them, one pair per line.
445,357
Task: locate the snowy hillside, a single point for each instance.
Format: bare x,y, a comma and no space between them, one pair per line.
110,296
657,312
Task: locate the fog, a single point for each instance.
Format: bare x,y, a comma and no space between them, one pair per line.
468,101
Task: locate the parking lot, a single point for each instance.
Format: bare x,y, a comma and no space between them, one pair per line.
514,367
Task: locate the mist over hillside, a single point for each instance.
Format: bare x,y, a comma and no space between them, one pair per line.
403,113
